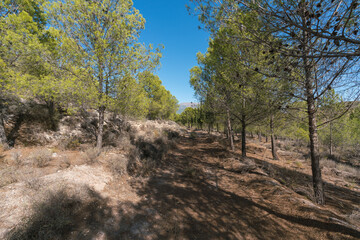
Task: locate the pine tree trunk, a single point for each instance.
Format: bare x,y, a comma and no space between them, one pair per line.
314,143
314,154
51,108
259,136
15,130
3,139
100,127
273,145
331,140
243,136
230,131
226,130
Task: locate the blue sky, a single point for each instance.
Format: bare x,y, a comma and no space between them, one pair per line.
169,23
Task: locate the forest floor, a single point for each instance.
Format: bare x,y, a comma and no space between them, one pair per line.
194,194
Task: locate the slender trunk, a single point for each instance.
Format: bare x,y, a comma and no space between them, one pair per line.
230,131
313,137
273,145
52,110
209,128
217,127
100,127
266,138
259,136
314,155
243,136
3,139
102,107
14,131
331,140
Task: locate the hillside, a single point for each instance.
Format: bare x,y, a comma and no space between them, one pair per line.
95,146
182,106
160,181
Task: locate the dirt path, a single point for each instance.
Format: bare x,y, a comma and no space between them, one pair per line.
192,197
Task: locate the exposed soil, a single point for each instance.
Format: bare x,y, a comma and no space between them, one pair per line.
194,196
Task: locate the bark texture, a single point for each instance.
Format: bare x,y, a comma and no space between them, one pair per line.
100,127
273,145
243,136
230,131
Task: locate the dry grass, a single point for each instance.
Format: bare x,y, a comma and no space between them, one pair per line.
8,176
16,158
327,163
340,166
118,164
41,158
70,143
65,162
354,217
61,215
34,184
2,153
124,142
92,155
349,169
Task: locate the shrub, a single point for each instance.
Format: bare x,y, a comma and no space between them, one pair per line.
118,164
146,156
124,142
334,157
193,135
16,158
8,176
92,154
298,164
41,158
65,162
287,147
111,138
72,144
138,164
210,139
173,135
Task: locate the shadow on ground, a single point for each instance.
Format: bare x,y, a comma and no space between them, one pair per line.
179,202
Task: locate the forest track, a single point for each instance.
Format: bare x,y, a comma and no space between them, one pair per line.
193,197
200,191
